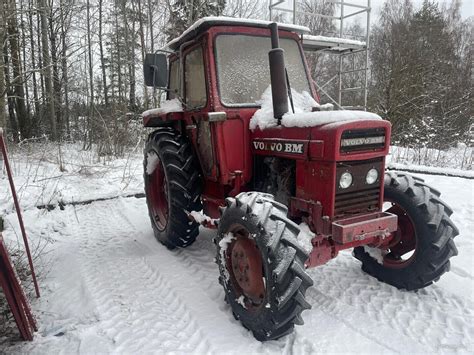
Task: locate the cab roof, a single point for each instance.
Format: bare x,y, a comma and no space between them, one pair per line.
205,23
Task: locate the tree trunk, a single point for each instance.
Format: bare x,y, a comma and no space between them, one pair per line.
91,75
64,78
89,54
152,40
56,80
143,48
17,81
40,63
128,56
119,55
102,58
24,61
44,10
130,41
3,118
33,66
10,95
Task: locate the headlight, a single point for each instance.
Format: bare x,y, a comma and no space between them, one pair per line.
346,180
372,176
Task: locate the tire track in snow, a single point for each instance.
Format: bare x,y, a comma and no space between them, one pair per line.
431,317
198,260
148,289
137,309
198,271
152,318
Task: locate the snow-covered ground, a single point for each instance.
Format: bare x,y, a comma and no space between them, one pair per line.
84,176
112,288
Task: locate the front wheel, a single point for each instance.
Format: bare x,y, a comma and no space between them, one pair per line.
419,251
261,265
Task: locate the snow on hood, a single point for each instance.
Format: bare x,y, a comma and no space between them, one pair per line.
166,106
303,117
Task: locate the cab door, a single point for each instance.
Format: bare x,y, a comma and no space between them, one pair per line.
196,108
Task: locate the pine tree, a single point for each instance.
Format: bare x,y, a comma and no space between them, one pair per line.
183,13
416,74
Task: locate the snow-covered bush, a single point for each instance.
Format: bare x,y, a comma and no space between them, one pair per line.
460,157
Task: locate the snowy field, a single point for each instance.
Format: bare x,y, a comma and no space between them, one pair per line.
112,288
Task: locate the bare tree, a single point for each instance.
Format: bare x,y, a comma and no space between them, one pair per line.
17,79
102,57
3,119
245,8
49,93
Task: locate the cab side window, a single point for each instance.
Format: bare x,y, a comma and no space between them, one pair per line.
195,79
174,80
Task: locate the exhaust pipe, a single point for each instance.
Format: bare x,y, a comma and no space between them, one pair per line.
277,75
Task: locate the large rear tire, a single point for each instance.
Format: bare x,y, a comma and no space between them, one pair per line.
261,265
420,251
172,186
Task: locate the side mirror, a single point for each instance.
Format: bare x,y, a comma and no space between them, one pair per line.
155,70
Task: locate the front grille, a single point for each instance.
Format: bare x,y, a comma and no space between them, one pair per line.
357,201
355,140
359,197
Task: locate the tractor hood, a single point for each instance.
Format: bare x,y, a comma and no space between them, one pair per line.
334,141
346,140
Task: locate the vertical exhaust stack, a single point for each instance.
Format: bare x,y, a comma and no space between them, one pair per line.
277,75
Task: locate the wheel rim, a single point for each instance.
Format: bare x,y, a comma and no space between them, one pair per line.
245,267
402,249
158,194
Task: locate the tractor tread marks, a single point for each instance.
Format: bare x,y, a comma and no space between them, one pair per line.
285,259
184,183
438,233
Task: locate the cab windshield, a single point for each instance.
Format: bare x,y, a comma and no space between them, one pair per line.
243,70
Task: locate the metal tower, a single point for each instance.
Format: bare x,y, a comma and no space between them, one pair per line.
341,46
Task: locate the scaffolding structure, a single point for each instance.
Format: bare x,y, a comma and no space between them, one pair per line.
341,46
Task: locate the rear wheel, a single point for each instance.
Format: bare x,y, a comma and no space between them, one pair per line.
420,249
261,265
172,187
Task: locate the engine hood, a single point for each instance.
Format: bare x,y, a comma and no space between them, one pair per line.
351,140
336,141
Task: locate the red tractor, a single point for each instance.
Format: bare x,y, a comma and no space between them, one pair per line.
260,185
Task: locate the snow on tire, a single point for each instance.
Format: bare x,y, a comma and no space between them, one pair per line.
423,243
173,186
261,265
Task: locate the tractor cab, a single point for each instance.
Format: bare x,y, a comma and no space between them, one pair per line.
242,144
225,64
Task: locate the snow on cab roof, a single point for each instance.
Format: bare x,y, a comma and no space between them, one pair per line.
204,23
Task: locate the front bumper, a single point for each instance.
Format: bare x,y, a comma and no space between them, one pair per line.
367,226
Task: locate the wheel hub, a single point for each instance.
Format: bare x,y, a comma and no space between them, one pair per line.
158,192
403,245
246,264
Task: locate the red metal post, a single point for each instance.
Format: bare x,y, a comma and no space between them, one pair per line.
18,211
15,296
